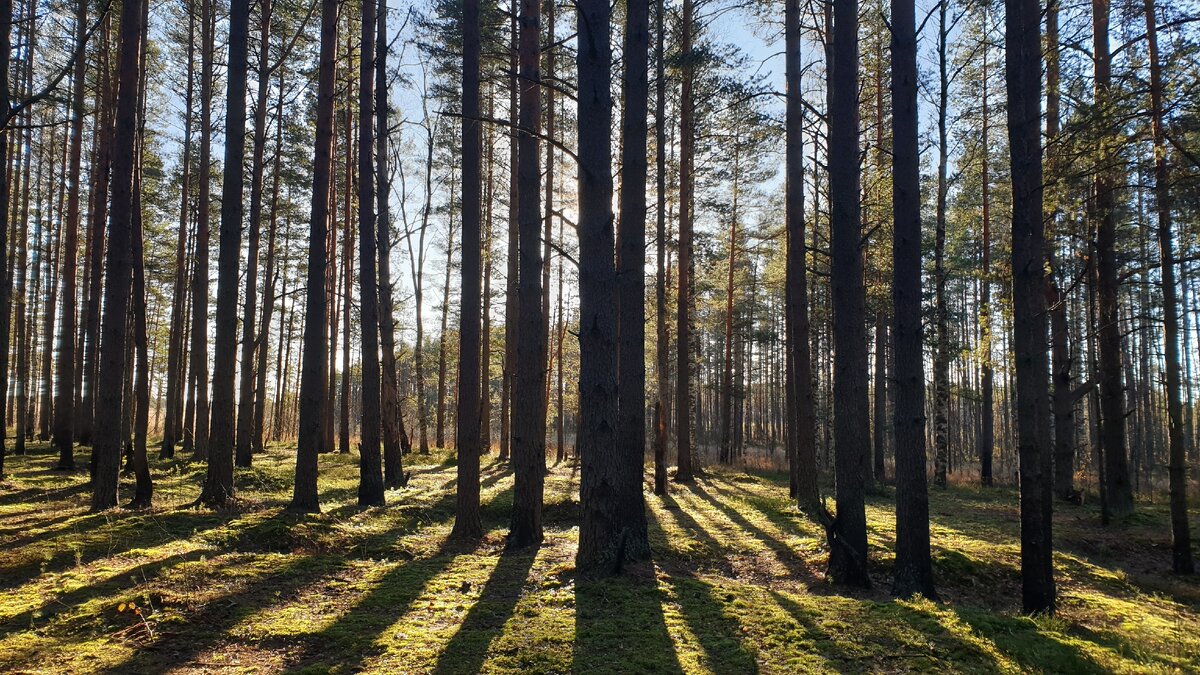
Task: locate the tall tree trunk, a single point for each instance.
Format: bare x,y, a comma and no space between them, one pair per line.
847,533
370,466
511,295
252,341
941,346
467,523
683,367
395,441
176,367
914,566
661,355
1177,462
218,485
612,421
1112,390
986,431
528,406
268,301
200,287
64,397
1060,348
1023,71
119,265
312,380
5,299
801,417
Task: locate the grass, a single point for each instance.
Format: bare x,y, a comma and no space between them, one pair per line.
736,584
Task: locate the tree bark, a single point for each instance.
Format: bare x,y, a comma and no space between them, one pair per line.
914,566
661,355
1110,379
528,406
312,379
1023,70
684,407
467,523
119,265
1181,537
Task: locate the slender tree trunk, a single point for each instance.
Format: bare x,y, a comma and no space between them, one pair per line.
1177,462
467,524
512,295
880,397
268,301
218,485
176,367
684,407
1023,69
1112,390
252,341
986,431
528,407
200,286
395,441
370,465
312,382
941,347
5,299
661,355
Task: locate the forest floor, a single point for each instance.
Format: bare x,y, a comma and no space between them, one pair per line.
736,584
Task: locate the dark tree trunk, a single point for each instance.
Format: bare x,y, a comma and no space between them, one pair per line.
879,398
914,567
941,341
1108,288
1023,70
801,419
395,441
176,345
370,465
684,407
528,408
268,301
119,265
512,293
218,485
467,524
848,531
251,341
312,378
200,286
1177,462
64,398
612,415
661,355
986,374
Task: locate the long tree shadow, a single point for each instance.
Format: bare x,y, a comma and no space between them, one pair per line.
467,650
719,634
620,627
1020,639
783,553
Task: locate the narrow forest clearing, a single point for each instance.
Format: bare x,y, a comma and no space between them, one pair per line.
736,586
